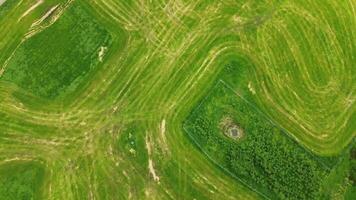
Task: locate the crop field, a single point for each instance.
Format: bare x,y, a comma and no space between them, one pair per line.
162,99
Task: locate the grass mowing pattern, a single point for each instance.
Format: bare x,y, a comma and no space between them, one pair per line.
163,58
306,74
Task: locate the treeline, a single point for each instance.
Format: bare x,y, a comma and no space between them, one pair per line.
265,158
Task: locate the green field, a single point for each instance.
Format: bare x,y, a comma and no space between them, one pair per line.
114,99
74,54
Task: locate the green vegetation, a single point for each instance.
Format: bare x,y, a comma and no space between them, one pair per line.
6,7
73,44
351,190
305,72
99,91
21,181
266,159
340,183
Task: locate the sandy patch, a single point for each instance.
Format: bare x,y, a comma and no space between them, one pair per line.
54,13
163,126
14,159
39,2
48,13
152,171
251,88
2,1
150,162
163,140
102,53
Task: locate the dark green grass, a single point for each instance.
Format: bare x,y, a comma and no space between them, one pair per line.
133,138
21,181
53,62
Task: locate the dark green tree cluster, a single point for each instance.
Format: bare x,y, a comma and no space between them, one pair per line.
266,159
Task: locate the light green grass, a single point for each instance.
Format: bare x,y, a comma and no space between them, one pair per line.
305,74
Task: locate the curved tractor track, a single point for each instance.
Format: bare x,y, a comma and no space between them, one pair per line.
120,135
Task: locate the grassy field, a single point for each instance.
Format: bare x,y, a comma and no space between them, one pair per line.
24,182
73,43
93,94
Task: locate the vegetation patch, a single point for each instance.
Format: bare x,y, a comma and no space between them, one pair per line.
266,159
55,61
351,190
21,181
6,6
